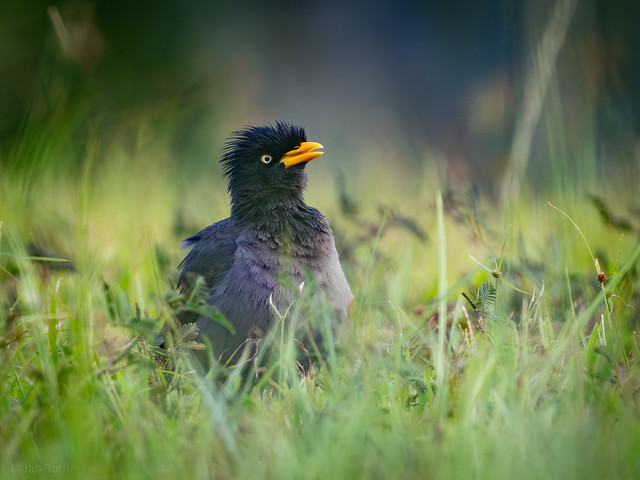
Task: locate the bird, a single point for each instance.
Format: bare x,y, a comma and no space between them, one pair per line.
272,240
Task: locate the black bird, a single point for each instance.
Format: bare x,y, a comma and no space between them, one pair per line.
271,235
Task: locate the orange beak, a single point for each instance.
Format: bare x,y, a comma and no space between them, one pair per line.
303,153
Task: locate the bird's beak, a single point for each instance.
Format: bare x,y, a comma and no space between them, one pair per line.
303,153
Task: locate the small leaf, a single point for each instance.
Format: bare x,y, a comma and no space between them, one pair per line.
486,298
186,333
199,290
193,345
212,313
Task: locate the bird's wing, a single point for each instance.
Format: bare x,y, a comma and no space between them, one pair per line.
211,255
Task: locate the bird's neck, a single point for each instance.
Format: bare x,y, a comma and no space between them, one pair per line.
287,219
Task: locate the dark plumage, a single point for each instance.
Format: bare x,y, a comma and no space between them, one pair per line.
271,234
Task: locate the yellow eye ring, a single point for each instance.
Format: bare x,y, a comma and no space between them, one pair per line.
266,159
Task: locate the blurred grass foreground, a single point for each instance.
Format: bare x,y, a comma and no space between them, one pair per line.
494,333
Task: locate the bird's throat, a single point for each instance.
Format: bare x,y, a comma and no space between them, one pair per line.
287,220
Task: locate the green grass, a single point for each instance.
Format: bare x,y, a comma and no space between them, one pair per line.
544,385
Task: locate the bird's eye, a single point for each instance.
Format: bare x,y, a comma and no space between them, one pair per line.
266,159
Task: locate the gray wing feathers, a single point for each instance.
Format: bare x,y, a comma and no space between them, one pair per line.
211,255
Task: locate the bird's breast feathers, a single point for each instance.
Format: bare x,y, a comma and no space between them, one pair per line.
264,266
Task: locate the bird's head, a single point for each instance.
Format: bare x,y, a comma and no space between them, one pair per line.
265,165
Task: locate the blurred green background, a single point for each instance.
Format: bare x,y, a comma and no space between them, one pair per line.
124,107
365,78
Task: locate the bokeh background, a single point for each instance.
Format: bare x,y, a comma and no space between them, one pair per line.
378,82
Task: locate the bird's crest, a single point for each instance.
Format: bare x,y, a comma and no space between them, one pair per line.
278,138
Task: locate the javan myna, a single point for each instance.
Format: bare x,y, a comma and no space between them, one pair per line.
271,241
